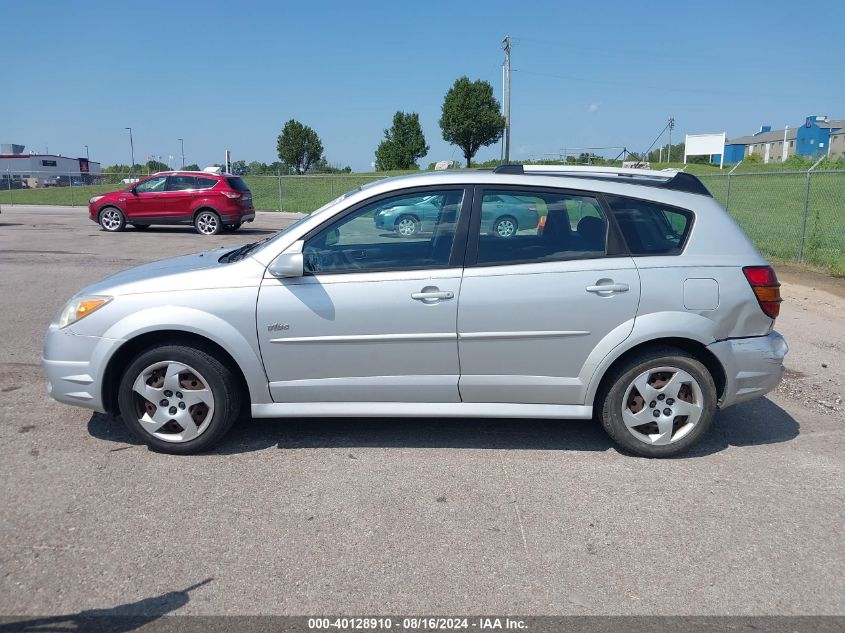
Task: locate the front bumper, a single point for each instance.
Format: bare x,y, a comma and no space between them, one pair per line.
753,366
74,366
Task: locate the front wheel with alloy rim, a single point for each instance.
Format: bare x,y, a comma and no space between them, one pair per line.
112,219
407,226
505,227
208,223
658,404
178,399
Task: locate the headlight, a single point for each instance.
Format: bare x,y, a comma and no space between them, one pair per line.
81,307
94,199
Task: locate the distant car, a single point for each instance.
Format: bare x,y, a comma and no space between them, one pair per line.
211,202
501,215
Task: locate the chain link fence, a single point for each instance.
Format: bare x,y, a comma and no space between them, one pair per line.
790,215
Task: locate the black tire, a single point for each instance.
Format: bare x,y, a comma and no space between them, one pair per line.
609,403
111,219
406,226
221,381
232,227
505,226
208,222
141,227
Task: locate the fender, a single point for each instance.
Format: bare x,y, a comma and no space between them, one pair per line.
648,327
240,348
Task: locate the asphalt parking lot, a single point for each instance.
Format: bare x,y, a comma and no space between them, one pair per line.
434,516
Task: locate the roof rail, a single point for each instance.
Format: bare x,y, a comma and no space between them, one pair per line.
672,179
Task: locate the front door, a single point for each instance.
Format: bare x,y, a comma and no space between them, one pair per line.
535,304
148,200
374,317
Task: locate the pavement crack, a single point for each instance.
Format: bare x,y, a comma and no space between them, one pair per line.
515,504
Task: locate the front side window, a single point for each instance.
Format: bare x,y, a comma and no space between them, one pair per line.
152,185
650,228
533,226
404,232
181,183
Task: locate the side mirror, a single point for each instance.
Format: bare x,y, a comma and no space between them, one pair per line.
290,263
133,191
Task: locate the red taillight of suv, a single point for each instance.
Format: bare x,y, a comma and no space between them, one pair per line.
231,194
764,283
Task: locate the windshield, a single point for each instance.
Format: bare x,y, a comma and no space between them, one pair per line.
322,209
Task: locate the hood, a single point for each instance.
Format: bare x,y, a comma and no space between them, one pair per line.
186,272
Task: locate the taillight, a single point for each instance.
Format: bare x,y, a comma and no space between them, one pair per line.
764,283
231,194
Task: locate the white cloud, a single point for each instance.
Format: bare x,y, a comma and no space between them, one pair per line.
593,107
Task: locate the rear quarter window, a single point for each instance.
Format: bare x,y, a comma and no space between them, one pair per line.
205,183
651,228
237,184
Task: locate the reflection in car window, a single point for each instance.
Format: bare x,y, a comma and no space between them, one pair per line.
398,233
530,226
205,183
154,184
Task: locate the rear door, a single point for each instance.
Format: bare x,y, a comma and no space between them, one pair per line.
535,304
181,191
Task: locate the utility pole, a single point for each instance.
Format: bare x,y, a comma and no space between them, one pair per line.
86,153
669,151
182,141
506,44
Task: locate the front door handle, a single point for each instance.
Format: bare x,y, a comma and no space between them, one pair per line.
607,288
432,294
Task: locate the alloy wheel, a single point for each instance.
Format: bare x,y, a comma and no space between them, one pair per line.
505,228
406,227
110,219
207,223
662,405
173,401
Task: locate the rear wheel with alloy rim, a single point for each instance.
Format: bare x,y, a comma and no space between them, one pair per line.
659,404
208,223
178,399
112,219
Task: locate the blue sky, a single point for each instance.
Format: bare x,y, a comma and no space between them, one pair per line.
228,75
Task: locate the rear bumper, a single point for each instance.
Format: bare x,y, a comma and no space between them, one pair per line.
753,366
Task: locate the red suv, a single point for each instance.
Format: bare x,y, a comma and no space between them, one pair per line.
211,202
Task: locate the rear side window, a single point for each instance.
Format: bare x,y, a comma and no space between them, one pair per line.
205,183
181,183
650,228
237,184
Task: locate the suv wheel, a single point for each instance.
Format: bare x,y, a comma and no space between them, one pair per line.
112,219
208,223
407,226
505,227
178,399
658,405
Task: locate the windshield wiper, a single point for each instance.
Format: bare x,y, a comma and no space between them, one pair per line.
240,253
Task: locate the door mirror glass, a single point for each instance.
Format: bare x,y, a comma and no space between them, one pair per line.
289,263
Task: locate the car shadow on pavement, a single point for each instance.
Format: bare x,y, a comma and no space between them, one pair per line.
190,229
123,617
752,423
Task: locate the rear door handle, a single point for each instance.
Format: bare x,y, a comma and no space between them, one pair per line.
607,288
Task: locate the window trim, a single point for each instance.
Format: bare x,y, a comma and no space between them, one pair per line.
679,250
615,246
456,254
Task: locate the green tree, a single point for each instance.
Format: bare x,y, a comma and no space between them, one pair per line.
299,146
192,167
403,144
471,117
156,165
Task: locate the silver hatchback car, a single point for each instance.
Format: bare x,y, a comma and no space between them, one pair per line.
635,300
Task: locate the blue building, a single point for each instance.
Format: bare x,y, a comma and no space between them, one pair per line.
814,136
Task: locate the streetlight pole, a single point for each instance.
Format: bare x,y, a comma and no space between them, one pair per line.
132,153
182,141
